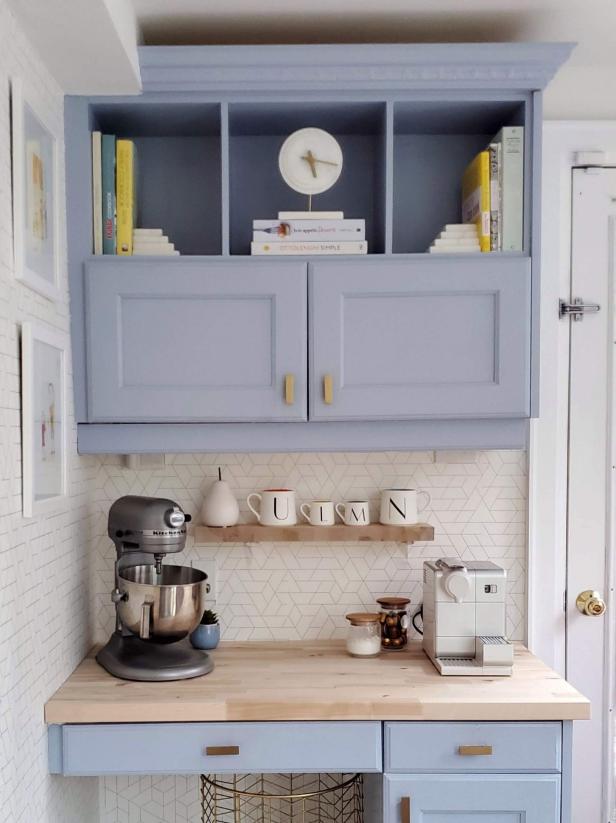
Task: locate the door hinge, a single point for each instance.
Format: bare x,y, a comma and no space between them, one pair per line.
576,309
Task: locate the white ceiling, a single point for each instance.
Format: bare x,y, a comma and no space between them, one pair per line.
95,54
586,87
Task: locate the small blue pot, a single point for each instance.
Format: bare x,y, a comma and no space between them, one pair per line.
206,636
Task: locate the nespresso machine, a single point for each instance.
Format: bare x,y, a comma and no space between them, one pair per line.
157,606
464,617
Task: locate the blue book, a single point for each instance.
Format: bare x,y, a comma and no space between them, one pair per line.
109,193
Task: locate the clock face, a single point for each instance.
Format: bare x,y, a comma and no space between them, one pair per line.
310,161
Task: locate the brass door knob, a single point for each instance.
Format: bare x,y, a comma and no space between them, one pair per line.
590,603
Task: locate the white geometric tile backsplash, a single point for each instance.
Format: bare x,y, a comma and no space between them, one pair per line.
293,591
272,591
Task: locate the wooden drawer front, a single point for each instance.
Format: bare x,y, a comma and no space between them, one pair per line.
181,748
472,747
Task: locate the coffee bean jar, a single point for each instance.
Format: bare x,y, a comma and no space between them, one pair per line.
394,620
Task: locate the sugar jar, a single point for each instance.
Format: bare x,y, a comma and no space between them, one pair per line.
394,620
364,636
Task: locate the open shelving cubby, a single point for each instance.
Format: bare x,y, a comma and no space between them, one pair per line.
185,148
256,189
434,141
179,176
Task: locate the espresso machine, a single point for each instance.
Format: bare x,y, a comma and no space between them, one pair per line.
464,617
157,606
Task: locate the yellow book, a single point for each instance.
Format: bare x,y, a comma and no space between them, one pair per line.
476,197
126,195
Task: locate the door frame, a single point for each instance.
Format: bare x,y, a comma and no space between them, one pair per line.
566,145
563,141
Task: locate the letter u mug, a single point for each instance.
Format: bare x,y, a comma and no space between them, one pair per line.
276,507
399,506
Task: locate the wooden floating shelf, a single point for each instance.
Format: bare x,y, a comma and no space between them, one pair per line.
255,533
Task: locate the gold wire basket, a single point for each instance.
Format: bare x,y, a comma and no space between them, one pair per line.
282,798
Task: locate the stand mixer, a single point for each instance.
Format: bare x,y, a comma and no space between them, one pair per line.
156,606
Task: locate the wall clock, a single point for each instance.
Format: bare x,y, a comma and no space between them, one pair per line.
310,161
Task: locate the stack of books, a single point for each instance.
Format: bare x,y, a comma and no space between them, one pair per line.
114,201
456,238
493,192
152,241
309,233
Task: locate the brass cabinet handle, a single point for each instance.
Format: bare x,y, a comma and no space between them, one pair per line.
405,809
289,389
328,389
221,751
474,751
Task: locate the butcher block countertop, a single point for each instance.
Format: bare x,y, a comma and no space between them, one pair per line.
317,680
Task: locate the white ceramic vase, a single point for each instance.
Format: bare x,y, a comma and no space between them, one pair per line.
220,508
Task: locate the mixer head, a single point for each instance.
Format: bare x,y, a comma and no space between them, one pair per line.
154,525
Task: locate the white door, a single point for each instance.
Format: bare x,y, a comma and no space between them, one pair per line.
588,663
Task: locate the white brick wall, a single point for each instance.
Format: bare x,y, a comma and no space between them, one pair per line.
44,627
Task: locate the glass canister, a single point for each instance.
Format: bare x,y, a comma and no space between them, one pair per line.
394,621
364,637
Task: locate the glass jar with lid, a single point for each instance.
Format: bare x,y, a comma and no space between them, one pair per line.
364,636
394,620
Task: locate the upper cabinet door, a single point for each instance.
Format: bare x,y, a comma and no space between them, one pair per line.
420,338
188,341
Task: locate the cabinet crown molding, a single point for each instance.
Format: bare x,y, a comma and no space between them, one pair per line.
373,67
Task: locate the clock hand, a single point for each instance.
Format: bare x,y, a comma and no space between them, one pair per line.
311,160
327,162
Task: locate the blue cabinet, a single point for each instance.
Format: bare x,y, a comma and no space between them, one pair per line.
415,350
425,338
187,340
463,798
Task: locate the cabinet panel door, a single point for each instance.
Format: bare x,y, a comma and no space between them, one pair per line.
420,338
195,341
468,798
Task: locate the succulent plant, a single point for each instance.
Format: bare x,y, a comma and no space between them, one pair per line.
209,618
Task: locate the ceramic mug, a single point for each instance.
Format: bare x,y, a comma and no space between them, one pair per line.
399,506
276,507
318,513
354,512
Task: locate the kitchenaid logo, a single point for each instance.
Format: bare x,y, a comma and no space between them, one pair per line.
164,533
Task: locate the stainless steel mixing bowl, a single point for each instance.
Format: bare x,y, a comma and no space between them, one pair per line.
161,607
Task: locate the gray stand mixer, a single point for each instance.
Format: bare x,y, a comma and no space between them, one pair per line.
156,606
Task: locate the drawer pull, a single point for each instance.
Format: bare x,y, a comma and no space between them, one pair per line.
328,389
474,751
221,751
405,809
289,389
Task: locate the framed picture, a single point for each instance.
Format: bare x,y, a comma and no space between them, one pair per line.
35,197
43,404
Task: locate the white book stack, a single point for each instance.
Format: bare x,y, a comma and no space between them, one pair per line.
308,233
152,242
456,238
